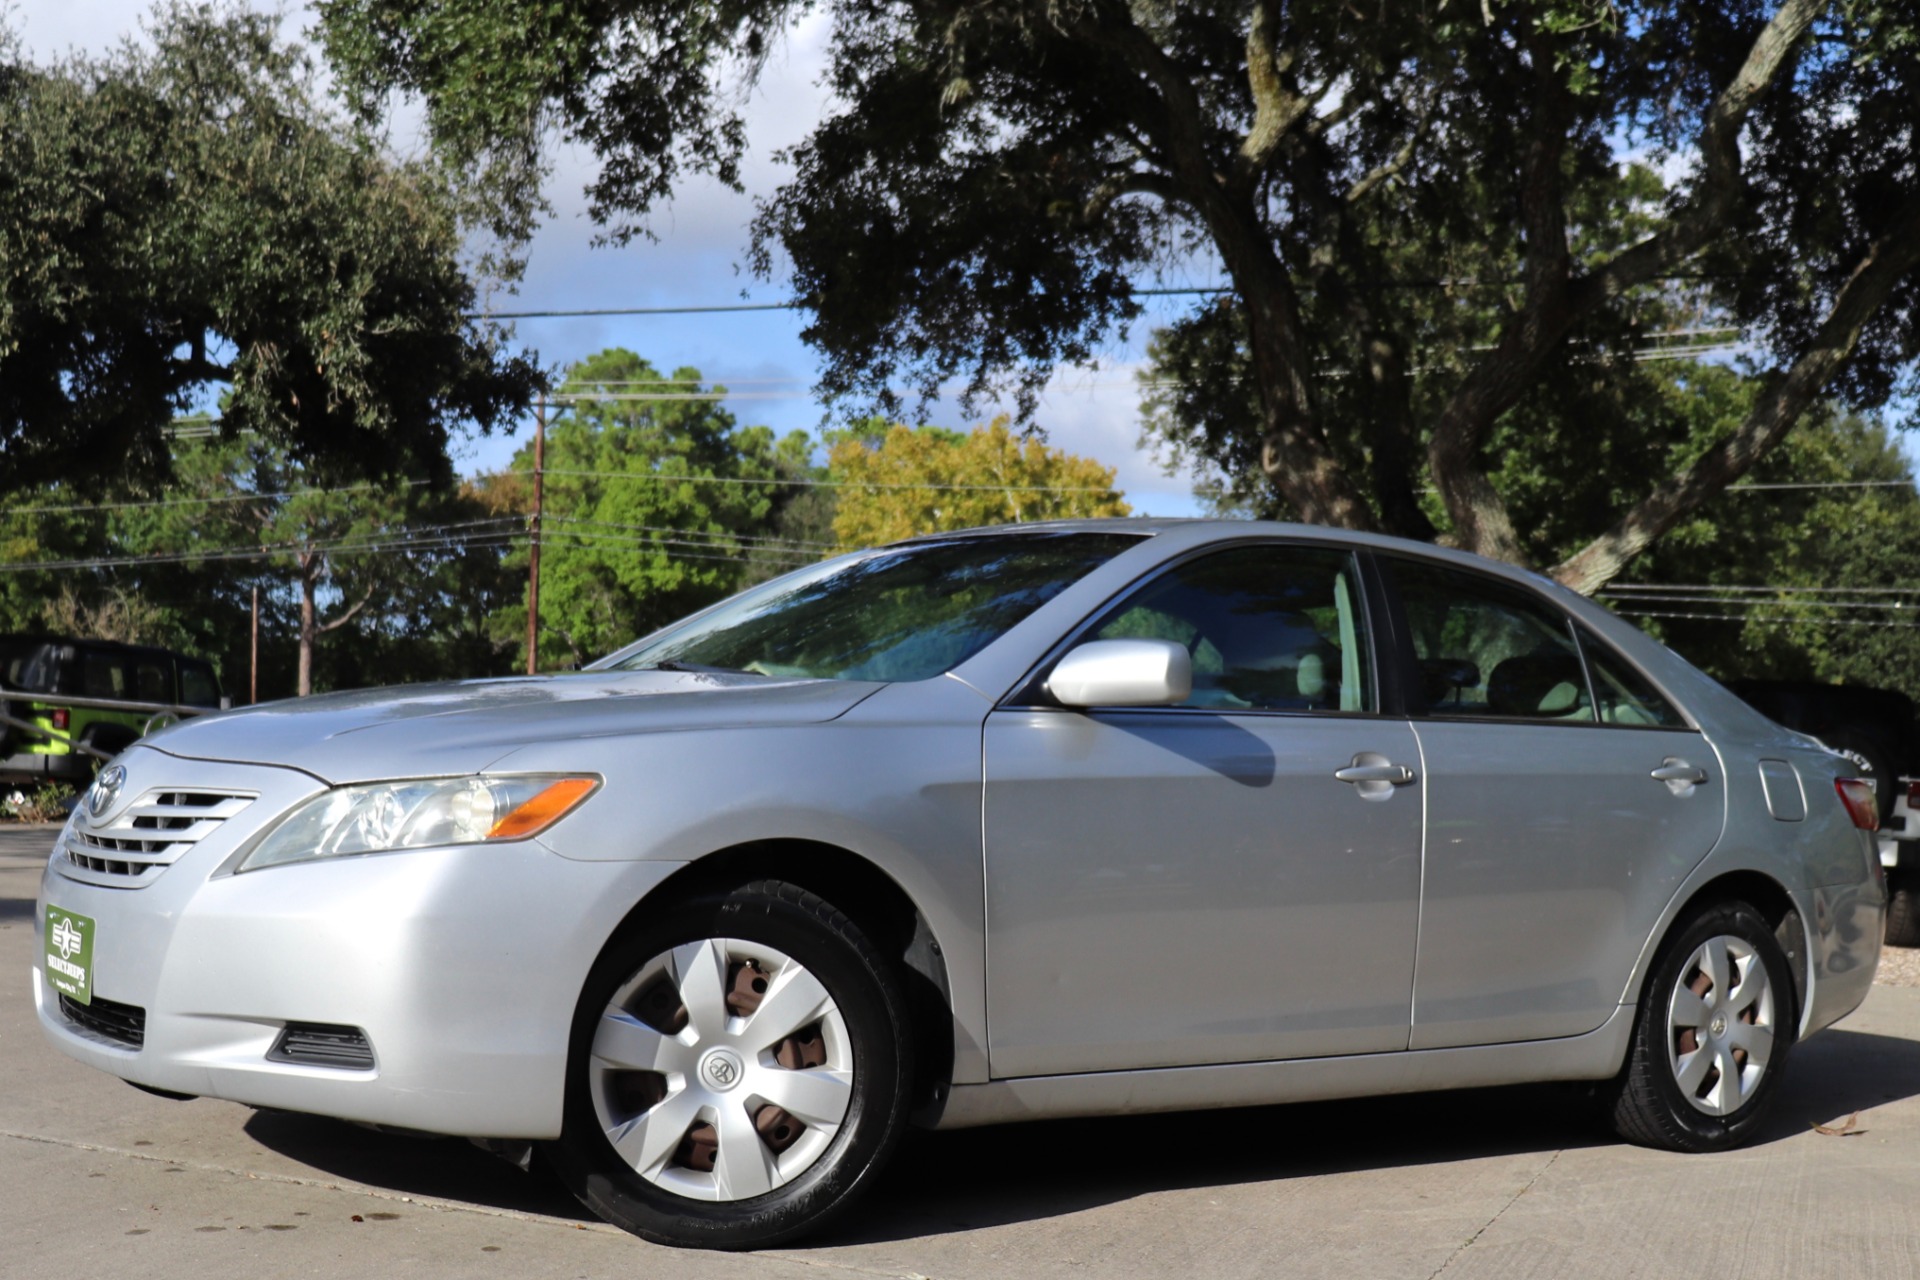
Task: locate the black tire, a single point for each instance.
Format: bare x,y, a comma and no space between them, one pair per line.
1872,762
866,995
1649,1104
1903,907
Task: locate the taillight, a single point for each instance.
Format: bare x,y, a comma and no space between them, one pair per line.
1913,794
1857,796
61,717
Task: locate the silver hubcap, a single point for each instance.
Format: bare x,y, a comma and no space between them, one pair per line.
1720,1025
721,1070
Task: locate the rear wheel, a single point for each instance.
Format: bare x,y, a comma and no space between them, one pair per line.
1715,1023
738,1072
1903,906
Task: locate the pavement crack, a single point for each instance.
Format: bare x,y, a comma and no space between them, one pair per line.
1487,1226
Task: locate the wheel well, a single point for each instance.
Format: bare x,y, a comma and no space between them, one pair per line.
1765,895
872,900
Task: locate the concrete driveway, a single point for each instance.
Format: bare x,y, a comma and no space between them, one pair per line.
98,1179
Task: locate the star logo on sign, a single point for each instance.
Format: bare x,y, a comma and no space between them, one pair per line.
67,938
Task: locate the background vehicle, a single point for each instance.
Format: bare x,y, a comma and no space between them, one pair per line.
1879,731
36,669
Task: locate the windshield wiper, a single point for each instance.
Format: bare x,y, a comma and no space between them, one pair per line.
693,668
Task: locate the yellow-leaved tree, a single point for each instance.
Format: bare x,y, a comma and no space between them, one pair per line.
907,481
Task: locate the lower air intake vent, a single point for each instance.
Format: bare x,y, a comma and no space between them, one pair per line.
121,1023
320,1044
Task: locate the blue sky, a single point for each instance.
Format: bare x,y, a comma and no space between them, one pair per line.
702,239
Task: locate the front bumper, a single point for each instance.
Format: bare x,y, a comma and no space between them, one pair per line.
462,965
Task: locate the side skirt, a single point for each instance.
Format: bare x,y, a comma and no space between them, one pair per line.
1595,1055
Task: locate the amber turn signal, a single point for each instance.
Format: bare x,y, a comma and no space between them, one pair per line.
543,810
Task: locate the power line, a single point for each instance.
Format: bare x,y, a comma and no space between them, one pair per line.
1693,599
796,304
796,544
1767,619
189,502
1698,587
814,484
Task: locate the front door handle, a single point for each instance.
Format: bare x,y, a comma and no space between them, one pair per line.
1681,778
1374,776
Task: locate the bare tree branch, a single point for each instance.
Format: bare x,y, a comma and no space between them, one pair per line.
344,618
1889,258
1721,181
1277,106
1400,159
1553,305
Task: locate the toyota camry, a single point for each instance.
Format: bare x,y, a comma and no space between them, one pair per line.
1052,820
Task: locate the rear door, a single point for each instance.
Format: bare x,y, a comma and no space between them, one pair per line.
1193,884
1551,844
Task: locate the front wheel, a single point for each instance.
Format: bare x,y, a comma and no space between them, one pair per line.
738,1072
1715,1023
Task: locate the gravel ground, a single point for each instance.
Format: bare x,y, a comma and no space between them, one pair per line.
1899,967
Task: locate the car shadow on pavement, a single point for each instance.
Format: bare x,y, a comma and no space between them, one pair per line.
412,1165
946,1182
941,1183
16,909
1841,1073
957,1181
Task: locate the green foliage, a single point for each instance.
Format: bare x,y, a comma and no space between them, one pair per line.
1800,538
654,505
901,482
191,217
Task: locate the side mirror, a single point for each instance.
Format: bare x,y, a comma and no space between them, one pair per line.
1123,673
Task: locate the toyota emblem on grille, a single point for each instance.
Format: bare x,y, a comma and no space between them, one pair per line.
105,790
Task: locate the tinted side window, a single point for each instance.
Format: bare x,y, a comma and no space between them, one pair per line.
1484,650
1270,628
102,675
152,682
198,688
1625,696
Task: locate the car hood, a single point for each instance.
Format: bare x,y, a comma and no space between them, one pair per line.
464,726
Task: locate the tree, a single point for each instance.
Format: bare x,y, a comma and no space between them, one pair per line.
193,217
1388,189
654,501
906,481
359,583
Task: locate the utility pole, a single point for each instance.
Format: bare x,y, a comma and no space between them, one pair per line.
533,546
253,659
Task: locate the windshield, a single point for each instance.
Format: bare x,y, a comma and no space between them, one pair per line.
901,613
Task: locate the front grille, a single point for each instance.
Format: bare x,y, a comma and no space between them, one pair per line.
322,1044
121,1023
149,836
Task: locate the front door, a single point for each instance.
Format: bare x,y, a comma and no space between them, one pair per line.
1171,886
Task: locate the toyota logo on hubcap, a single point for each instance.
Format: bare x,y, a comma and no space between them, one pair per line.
105,790
722,1070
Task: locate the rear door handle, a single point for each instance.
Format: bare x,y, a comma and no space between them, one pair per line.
1681,778
1398,774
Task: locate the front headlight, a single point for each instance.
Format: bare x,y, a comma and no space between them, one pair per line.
378,817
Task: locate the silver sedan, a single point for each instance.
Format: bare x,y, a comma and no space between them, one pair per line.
1072,819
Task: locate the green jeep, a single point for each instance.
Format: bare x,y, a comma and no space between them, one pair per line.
36,670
